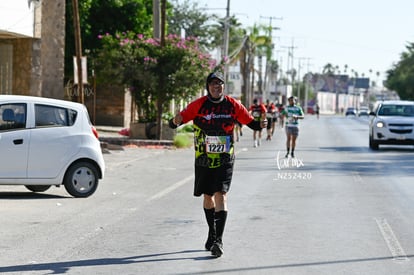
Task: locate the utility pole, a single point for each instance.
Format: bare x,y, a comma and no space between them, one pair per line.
156,21
78,47
163,21
290,60
269,57
159,19
299,78
226,42
308,78
299,66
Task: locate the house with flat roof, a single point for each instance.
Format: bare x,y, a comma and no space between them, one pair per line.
32,46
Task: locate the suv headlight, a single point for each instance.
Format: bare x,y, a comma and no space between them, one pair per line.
380,124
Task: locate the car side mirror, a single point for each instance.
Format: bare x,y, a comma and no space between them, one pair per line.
371,113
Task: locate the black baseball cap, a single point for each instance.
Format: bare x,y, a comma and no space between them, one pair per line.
214,75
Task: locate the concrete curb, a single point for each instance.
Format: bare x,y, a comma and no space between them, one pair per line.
124,141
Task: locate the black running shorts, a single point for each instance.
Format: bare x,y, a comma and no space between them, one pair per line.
211,180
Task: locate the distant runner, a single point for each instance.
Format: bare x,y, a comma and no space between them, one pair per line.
292,113
258,111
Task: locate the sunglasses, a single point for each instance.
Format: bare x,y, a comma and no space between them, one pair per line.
216,83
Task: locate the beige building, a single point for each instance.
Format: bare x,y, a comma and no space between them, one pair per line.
32,58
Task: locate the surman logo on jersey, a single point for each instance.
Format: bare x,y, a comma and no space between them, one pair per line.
216,116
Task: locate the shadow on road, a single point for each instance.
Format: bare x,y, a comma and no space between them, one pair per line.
294,265
63,267
29,196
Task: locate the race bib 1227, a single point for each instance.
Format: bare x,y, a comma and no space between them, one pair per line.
217,144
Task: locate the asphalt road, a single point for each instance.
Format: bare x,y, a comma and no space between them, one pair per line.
337,208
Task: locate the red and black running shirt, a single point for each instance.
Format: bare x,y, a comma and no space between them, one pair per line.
213,128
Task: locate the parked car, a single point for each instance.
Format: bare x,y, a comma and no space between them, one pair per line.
363,111
45,142
351,111
392,123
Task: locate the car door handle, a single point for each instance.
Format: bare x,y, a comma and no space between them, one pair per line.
18,141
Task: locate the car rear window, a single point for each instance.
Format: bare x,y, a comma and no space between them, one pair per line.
12,116
50,116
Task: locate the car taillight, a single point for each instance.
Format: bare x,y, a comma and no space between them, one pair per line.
95,132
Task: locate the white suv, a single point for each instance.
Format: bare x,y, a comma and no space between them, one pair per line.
45,142
392,122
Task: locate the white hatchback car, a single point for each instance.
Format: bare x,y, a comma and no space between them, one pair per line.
392,122
45,142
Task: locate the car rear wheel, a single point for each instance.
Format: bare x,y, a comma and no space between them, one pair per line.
81,179
372,144
37,188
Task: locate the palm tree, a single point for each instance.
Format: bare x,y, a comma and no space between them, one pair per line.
378,75
328,69
253,44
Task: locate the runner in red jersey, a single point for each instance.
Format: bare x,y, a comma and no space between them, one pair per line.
258,111
271,115
214,117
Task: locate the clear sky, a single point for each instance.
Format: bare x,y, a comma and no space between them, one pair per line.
363,34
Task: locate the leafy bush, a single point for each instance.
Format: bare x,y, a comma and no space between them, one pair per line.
188,128
154,73
183,140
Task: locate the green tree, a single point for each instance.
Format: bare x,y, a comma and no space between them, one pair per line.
155,74
101,17
209,29
400,77
188,17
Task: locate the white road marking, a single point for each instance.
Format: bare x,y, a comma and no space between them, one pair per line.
357,177
178,184
391,240
171,188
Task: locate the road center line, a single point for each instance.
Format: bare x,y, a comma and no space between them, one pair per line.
391,240
171,188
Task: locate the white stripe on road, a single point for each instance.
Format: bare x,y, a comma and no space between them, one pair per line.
391,240
171,188
357,177
178,184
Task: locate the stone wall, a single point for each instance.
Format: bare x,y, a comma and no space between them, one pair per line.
38,62
21,65
38,67
52,48
107,107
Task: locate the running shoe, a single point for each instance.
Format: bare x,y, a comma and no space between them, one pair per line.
209,243
217,249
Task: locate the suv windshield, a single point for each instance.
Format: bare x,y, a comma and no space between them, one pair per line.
396,110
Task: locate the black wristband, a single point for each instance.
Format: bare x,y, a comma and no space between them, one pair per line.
172,124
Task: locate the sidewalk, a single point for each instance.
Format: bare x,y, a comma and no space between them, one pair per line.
110,138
